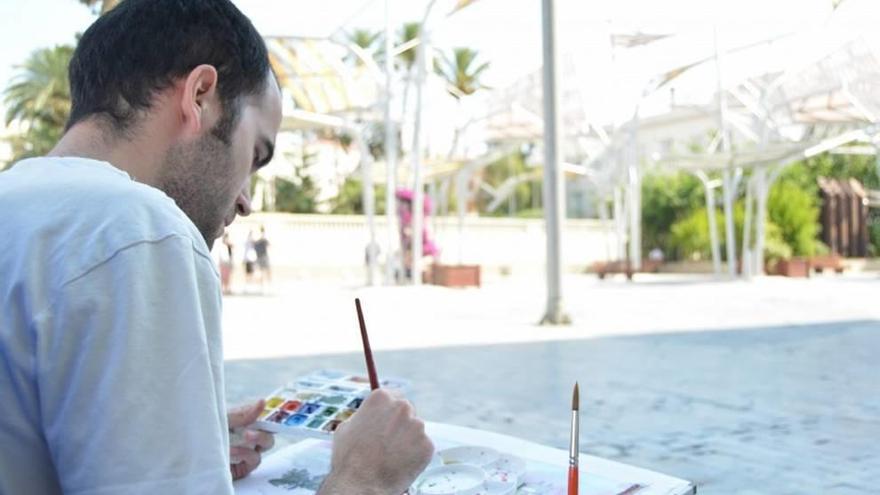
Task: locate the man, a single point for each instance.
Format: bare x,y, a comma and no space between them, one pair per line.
111,368
261,246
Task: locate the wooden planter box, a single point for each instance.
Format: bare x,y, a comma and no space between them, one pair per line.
794,267
456,275
827,262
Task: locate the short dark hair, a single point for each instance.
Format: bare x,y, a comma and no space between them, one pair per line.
141,46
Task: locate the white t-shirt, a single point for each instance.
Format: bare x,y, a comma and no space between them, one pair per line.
111,367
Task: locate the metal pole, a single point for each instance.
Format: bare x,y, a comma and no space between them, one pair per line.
761,191
603,218
554,202
728,194
418,212
747,252
635,218
619,228
390,154
369,200
460,205
713,223
727,191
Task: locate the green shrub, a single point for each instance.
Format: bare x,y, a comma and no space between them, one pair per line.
796,213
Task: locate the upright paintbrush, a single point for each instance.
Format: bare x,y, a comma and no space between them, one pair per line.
368,352
574,448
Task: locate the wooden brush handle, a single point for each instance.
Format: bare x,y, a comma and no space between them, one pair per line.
572,480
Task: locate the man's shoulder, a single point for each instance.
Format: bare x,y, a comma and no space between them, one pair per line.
95,197
83,212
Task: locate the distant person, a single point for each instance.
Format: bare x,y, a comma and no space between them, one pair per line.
111,351
261,247
656,255
227,257
250,258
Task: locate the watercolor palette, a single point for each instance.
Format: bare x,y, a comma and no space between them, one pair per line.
316,404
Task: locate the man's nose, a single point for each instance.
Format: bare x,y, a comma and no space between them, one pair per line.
243,204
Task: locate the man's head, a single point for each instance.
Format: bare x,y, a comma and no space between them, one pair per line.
188,78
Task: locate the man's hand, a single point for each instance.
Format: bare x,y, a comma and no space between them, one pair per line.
246,446
380,450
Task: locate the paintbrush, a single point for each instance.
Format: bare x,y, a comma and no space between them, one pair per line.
574,448
368,353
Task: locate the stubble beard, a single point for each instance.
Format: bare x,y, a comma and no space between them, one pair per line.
197,178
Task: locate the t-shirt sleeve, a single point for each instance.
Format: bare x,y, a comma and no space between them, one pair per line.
130,375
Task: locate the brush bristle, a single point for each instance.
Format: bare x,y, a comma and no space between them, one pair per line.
575,398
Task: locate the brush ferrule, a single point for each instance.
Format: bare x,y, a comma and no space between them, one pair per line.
574,447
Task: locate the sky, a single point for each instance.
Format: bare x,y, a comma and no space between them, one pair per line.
506,32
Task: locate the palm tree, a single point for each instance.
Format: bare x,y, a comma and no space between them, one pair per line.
364,38
462,76
409,32
106,5
38,97
407,58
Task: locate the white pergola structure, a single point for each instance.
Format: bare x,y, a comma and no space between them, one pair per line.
764,123
759,106
322,88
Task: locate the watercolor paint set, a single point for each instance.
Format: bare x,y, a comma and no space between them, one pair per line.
316,404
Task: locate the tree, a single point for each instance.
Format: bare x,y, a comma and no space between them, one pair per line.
365,39
796,212
667,199
409,32
510,170
804,174
350,199
462,76
299,193
38,98
106,5
461,73
688,237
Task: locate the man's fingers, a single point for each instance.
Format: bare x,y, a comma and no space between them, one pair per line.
238,455
261,441
245,415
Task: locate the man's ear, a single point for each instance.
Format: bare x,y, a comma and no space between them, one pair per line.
200,101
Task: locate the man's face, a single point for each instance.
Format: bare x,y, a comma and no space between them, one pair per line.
209,179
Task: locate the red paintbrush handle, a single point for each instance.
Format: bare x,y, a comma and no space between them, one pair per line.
572,480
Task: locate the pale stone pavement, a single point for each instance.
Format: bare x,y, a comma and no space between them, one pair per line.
744,388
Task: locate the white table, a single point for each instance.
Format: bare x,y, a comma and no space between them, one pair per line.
314,457
656,483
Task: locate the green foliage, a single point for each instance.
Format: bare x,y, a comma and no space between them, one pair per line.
368,41
299,193
796,212
667,199
364,38
874,232
775,248
409,32
38,97
805,173
350,200
689,237
295,197
530,213
461,72
106,5
521,199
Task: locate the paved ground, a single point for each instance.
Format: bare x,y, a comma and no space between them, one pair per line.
764,387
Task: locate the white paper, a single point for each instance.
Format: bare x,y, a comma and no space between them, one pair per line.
299,469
